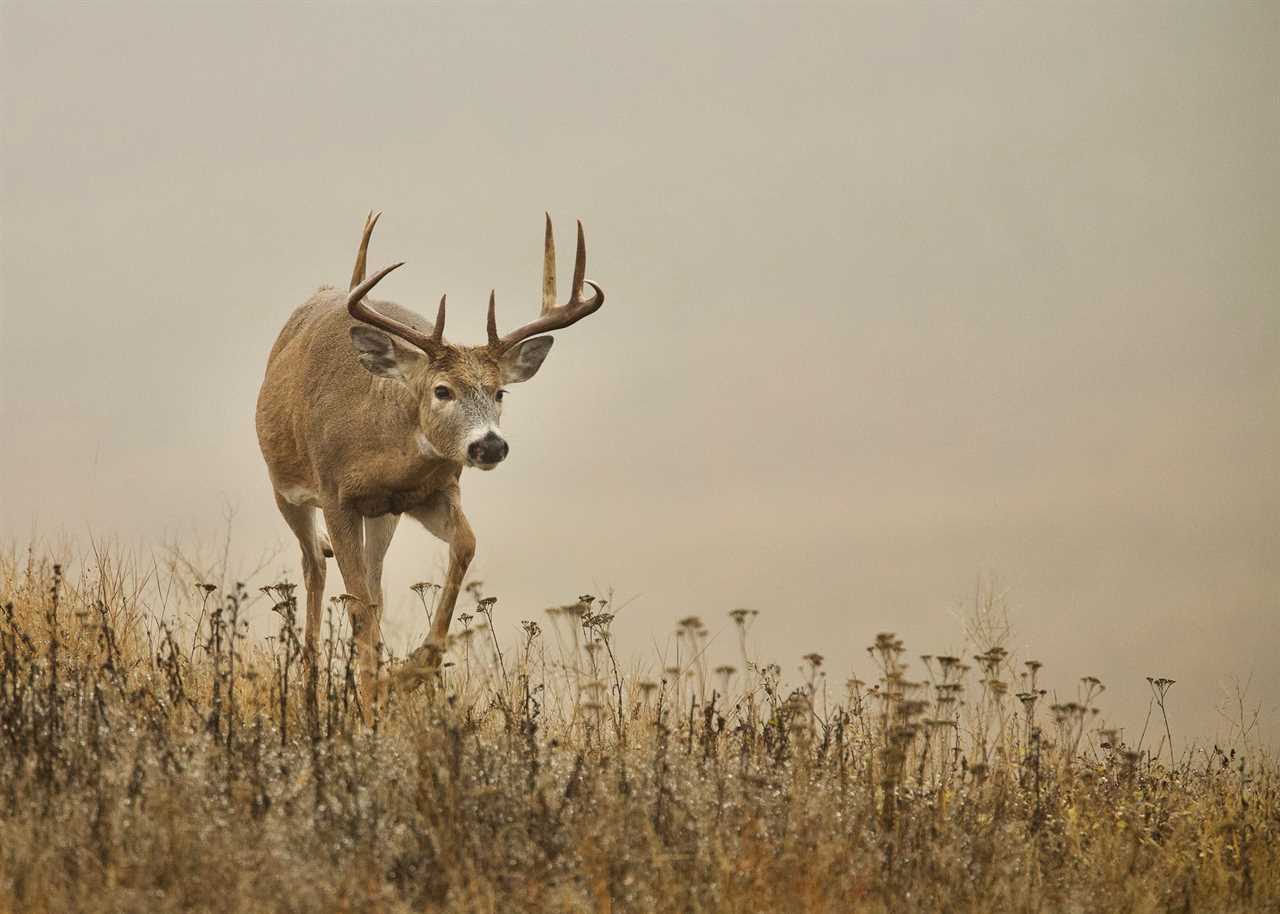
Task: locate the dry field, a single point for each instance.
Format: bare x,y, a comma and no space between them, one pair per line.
156,757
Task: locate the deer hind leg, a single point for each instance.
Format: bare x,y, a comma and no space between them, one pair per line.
302,521
346,530
378,532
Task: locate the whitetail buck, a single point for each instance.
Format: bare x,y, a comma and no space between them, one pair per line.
367,413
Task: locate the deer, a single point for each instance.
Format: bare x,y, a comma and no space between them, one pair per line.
367,413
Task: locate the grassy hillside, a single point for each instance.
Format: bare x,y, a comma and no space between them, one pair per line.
148,765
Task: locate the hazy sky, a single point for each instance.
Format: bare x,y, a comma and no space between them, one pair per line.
899,295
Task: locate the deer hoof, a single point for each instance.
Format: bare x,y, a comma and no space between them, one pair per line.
419,668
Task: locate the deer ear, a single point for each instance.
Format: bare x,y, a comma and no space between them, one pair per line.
382,355
523,362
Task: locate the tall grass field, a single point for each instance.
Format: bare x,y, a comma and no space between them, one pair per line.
156,756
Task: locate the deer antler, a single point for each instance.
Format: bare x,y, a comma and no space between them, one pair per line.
554,317
357,274
361,311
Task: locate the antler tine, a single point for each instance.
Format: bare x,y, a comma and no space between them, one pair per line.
361,311
549,269
437,332
357,274
356,298
553,317
493,322
579,266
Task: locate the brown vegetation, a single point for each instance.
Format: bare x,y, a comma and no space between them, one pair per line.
142,769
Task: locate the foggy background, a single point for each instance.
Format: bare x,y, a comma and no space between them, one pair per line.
898,296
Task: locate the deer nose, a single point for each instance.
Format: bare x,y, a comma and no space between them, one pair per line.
490,449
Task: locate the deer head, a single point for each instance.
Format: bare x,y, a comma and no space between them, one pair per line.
459,389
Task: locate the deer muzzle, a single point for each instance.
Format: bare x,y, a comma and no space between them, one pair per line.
487,452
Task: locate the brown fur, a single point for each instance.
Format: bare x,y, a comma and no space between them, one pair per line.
369,460
329,427
349,422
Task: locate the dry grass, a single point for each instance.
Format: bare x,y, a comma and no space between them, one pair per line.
143,769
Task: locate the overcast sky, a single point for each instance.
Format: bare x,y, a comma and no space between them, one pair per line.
898,295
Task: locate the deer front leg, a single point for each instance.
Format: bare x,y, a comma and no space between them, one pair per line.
346,532
443,517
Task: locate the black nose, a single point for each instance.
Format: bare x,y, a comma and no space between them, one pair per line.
489,449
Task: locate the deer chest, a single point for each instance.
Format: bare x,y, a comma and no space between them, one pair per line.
376,504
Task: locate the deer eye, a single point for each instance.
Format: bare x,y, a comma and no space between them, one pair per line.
499,395
443,393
